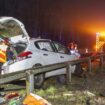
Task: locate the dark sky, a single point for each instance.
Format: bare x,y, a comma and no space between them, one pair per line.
62,20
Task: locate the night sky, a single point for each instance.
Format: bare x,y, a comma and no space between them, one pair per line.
60,20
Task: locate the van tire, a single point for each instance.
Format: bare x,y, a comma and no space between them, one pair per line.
38,79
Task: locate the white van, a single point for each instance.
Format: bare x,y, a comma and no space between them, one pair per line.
32,52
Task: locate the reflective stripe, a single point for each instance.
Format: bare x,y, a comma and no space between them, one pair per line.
2,60
2,56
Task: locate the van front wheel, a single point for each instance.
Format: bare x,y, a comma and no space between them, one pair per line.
78,70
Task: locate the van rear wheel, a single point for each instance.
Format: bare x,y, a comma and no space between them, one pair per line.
38,79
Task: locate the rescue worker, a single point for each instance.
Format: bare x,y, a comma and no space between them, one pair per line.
9,53
71,48
3,48
76,50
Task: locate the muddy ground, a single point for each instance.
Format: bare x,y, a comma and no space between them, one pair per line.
89,90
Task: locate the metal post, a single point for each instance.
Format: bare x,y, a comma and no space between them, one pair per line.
101,61
90,65
30,83
68,73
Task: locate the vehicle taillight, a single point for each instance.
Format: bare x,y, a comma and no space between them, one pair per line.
21,56
25,54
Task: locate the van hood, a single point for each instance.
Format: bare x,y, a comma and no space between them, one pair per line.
13,30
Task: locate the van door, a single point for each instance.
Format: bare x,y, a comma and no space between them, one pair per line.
64,54
47,52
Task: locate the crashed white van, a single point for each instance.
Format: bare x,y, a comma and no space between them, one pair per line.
32,52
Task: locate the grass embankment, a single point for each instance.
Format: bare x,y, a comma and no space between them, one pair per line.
80,91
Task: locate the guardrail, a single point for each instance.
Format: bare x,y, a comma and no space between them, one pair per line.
29,73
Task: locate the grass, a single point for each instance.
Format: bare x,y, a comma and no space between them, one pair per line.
80,91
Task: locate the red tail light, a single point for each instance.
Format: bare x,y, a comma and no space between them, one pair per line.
25,54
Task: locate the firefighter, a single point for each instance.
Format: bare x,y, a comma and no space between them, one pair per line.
3,48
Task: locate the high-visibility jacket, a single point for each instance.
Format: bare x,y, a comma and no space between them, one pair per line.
3,53
2,56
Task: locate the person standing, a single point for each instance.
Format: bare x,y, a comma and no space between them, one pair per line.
71,48
3,48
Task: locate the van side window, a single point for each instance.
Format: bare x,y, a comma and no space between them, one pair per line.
44,45
19,47
61,48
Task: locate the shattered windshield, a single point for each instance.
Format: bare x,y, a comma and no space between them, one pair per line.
9,29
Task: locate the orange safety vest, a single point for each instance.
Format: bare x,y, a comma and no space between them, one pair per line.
2,56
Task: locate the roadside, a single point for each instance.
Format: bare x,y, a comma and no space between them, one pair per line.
81,91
